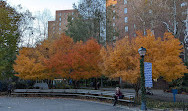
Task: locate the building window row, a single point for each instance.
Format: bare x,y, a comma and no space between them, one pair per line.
114,24
126,29
125,10
125,2
114,17
184,4
126,19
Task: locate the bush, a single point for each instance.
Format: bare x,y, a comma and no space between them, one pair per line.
182,89
4,85
20,85
62,86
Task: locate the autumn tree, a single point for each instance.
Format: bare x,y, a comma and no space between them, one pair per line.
123,59
75,60
31,62
58,62
90,56
28,66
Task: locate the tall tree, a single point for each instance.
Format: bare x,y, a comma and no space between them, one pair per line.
161,15
28,65
9,38
91,20
41,24
123,60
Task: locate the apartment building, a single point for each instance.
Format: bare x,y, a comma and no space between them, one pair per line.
127,28
120,21
57,27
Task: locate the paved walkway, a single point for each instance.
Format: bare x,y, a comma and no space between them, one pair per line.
56,104
158,94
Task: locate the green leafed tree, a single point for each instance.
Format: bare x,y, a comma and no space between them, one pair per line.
10,22
90,20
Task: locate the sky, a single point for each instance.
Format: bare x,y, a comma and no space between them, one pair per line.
40,5
35,6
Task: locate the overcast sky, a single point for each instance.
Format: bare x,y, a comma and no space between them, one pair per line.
40,5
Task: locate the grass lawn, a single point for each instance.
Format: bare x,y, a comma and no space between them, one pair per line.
167,105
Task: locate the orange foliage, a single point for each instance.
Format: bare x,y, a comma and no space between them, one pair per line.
123,59
28,65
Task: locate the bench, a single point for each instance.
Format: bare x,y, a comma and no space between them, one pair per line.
109,98
54,94
128,97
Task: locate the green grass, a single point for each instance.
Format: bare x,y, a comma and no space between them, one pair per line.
167,105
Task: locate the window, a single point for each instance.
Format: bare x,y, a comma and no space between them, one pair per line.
59,18
59,14
126,28
114,37
72,13
125,1
114,17
114,11
134,26
114,24
134,35
60,24
59,29
183,4
125,10
184,13
150,11
126,19
53,28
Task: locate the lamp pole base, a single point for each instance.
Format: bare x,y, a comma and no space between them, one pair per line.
143,106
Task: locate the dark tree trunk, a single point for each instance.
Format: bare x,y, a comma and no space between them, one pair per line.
137,88
75,84
95,83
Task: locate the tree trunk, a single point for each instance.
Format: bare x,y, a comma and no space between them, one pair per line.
137,88
120,82
75,84
95,83
86,83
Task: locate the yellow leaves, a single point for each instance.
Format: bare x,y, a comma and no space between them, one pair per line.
27,65
123,59
110,2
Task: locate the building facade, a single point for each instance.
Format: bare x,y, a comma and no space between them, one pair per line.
57,27
126,26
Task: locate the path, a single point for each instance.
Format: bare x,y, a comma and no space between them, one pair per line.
56,104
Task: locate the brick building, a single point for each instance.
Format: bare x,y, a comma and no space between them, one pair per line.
127,28
57,27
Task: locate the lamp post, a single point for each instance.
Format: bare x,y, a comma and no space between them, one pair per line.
142,52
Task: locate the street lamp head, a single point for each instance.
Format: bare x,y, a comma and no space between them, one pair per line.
142,51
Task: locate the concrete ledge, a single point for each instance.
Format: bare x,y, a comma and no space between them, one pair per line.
97,94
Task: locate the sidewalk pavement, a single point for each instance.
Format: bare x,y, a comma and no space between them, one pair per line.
157,94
